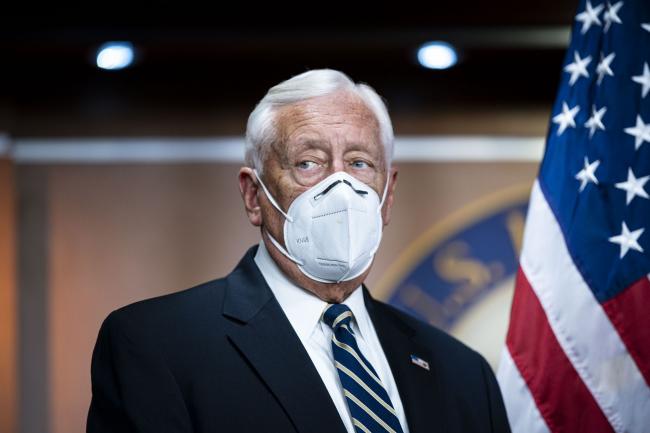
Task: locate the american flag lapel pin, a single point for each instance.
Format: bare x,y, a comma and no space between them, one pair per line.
420,362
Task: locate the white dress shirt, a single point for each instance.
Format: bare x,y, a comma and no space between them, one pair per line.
304,311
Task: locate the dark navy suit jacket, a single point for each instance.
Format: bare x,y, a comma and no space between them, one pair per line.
223,357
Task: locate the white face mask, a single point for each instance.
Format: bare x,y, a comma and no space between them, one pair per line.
332,230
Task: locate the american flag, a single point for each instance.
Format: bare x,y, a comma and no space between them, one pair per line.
577,355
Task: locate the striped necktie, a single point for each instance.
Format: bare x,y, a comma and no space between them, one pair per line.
368,401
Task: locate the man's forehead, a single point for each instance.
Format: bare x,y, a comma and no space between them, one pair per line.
311,123
337,104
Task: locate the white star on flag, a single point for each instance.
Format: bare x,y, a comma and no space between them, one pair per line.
611,15
588,174
640,132
633,186
566,118
604,66
628,240
589,16
646,27
578,68
644,80
596,120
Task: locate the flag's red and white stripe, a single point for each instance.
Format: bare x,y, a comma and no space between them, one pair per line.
570,363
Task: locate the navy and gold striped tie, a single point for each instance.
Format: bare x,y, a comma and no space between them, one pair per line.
368,401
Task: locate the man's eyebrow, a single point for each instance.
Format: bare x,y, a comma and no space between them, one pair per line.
310,143
358,147
315,143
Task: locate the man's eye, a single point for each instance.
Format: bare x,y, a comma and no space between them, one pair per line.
307,165
360,164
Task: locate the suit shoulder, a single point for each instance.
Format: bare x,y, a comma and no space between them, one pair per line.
174,305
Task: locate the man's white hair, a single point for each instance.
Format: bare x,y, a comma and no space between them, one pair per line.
261,129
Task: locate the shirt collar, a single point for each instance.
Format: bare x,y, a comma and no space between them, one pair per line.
303,308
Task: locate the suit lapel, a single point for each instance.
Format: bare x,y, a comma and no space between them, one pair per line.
264,336
418,388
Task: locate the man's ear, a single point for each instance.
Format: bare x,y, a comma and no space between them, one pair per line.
249,187
390,195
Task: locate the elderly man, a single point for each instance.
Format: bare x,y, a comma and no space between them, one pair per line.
291,340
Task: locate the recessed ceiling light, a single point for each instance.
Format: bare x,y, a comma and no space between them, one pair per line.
437,55
115,55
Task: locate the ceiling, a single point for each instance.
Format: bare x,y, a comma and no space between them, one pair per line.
200,62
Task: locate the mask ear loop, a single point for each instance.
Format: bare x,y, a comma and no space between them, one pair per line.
275,205
282,250
270,197
383,196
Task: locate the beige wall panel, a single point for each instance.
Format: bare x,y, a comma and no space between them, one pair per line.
121,234
8,301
